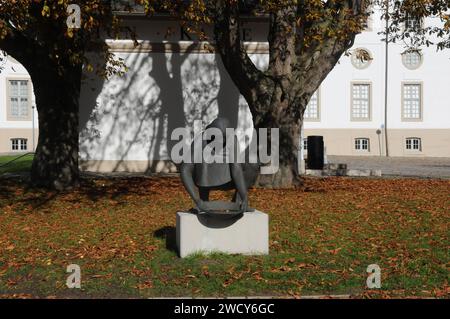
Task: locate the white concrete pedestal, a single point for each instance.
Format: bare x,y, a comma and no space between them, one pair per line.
247,235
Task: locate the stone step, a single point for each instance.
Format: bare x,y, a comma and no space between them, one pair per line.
335,166
343,172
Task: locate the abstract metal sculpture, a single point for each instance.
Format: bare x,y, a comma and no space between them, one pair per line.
202,177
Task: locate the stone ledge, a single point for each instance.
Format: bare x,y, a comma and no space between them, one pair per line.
343,172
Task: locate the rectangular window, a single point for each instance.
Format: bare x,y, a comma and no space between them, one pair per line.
15,144
412,23
19,144
18,94
361,100
412,101
23,145
413,144
312,109
362,144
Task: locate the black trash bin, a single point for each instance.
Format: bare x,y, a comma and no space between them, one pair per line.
315,152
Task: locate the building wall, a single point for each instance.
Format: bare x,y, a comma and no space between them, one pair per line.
171,83
433,128
132,117
125,122
7,134
341,141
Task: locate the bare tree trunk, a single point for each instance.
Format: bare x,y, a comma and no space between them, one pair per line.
55,164
289,138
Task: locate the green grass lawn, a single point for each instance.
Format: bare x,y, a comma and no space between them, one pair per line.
21,165
322,238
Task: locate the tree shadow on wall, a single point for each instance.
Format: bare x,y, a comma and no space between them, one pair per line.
171,97
160,92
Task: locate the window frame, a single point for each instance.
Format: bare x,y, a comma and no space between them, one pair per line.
312,119
411,29
403,57
408,119
361,119
9,116
412,149
305,144
21,141
361,149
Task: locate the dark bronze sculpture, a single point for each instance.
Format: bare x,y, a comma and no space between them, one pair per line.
201,178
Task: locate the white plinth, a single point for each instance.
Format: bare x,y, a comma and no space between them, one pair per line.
248,235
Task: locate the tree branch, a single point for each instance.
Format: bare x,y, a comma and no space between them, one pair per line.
16,45
234,57
281,38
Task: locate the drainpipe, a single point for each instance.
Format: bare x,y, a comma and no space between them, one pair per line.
386,73
32,112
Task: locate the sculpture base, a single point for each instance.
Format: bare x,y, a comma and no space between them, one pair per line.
246,234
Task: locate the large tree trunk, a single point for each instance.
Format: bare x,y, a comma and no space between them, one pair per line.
287,174
55,164
285,115
57,90
300,57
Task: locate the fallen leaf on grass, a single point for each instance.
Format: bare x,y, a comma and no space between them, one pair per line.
227,282
281,269
205,271
145,285
290,260
11,282
335,251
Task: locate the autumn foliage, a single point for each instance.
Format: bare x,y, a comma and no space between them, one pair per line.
322,238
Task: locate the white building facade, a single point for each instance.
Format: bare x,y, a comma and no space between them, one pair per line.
351,108
17,108
173,80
